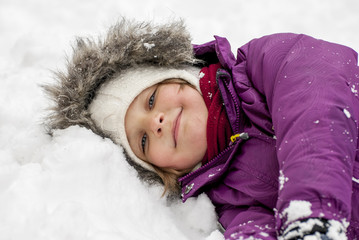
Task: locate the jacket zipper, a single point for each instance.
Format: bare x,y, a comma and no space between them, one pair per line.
236,106
188,187
206,165
234,137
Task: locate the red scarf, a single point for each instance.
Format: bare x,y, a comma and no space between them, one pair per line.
218,127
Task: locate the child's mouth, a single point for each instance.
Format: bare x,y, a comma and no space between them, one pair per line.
176,126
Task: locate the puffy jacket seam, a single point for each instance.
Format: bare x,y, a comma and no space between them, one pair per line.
265,180
283,64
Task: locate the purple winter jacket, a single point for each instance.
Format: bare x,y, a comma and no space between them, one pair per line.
295,98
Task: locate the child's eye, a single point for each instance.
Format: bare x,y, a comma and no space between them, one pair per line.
151,100
143,142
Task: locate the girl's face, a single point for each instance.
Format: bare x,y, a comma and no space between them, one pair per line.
166,126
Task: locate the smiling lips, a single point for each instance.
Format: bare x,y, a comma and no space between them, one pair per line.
176,126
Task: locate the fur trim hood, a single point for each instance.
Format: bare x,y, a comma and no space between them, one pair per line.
127,44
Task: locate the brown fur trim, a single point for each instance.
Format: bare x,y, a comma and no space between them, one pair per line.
94,62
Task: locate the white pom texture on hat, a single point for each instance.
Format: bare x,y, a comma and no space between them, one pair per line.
108,108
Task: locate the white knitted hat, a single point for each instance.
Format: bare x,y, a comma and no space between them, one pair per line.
108,108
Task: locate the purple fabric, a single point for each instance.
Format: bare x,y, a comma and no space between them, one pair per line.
297,98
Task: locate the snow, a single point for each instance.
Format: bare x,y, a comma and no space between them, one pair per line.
76,185
312,237
299,228
216,235
297,209
282,179
354,90
148,46
336,231
347,113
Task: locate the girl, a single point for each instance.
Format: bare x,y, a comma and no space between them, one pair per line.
271,136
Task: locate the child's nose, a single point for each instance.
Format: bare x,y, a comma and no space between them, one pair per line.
157,124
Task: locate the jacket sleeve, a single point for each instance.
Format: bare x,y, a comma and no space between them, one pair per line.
308,85
248,222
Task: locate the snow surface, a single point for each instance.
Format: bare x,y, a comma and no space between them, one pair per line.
77,185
